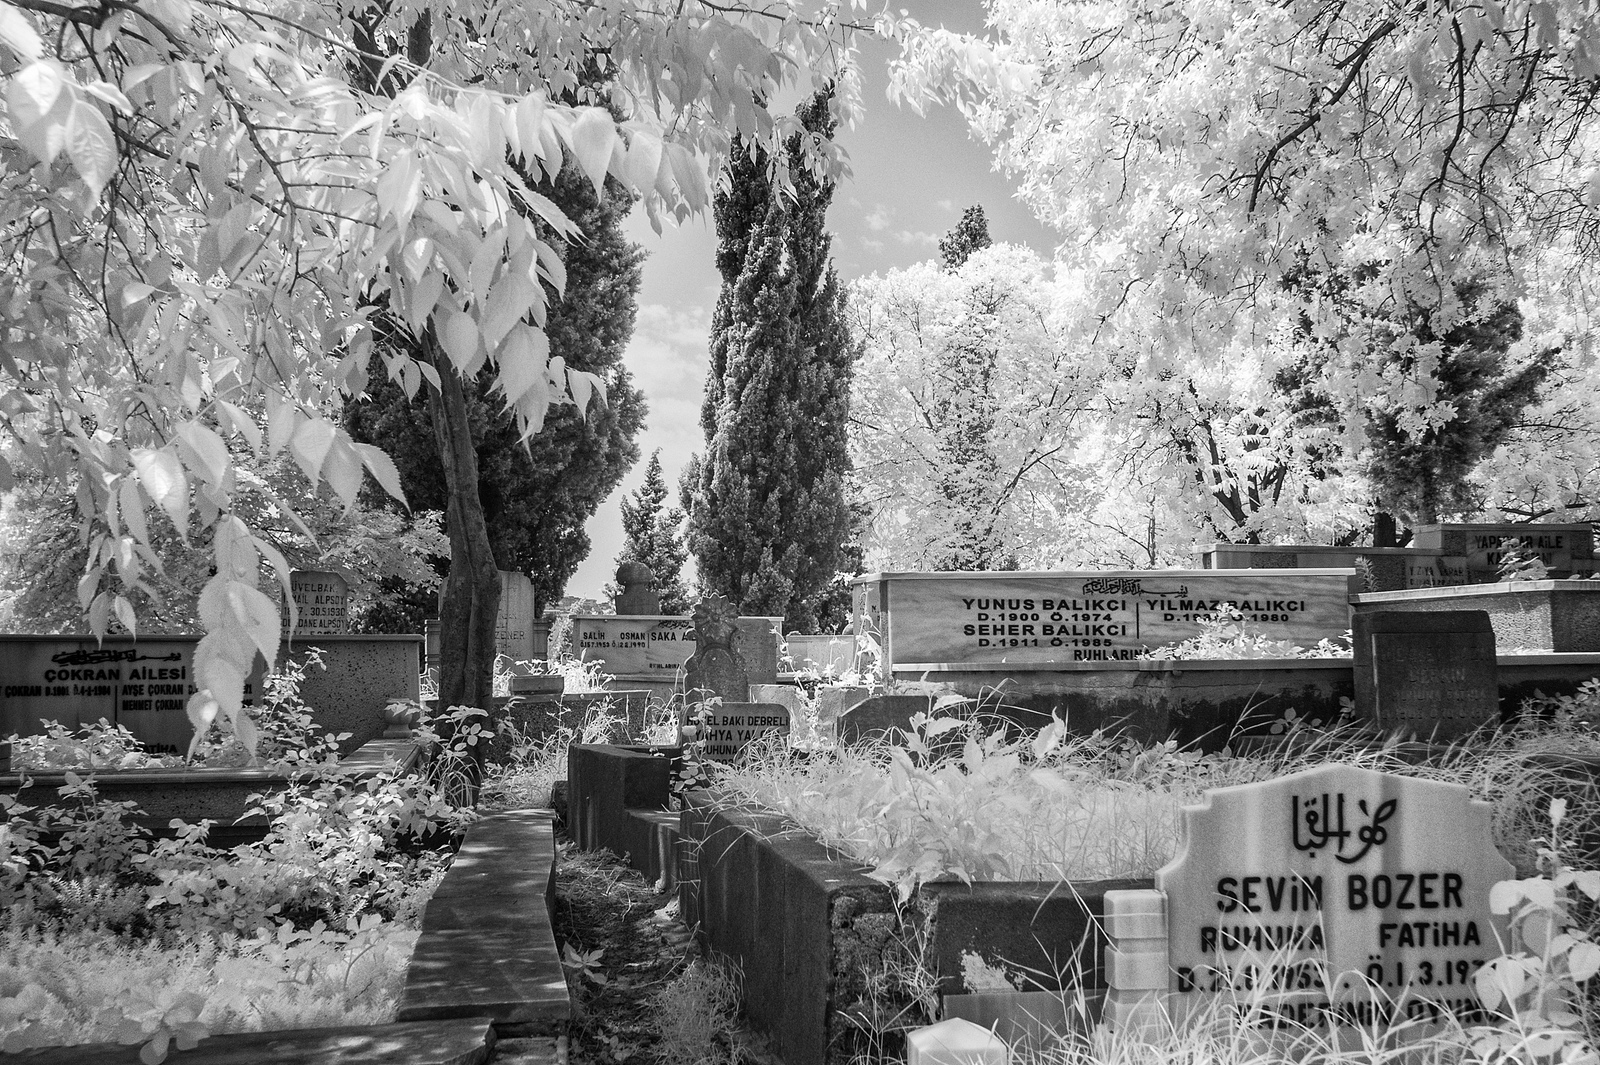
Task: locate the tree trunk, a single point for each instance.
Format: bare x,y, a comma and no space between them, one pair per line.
1385,532
472,592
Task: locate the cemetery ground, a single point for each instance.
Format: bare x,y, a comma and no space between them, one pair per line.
905,816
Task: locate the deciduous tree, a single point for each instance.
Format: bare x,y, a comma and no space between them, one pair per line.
203,208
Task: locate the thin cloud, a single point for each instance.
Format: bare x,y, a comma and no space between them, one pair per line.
879,219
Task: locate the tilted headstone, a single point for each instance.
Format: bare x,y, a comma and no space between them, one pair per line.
1430,674
729,727
716,669
322,603
637,593
1338,897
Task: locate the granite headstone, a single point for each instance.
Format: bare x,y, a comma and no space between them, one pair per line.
1432,675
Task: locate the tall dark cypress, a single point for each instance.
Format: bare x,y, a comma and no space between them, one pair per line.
768,518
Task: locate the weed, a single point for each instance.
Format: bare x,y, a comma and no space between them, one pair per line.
695,1017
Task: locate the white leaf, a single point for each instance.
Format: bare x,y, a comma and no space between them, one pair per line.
383,469
459,338
124,612
342,468
310,446
209,452
18,34
585,386
593,138
162,477
1583,961
104,90
257,615
38,108
282,420
90,146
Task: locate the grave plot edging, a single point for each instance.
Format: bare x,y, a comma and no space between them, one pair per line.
810,930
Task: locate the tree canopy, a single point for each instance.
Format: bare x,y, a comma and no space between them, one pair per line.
203,207
652,537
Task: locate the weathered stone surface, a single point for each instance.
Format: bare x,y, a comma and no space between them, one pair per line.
364,672
637,590
463,1041
876,717
806,927
1431,675
729,727
142,684
487,948
322,602
824,654
1327,879
513,621
946,621
1561,616
715,670
1565,549
1043,936
604,782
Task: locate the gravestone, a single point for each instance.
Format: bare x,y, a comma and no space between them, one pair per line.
729,727
715,669
1432,674
143,685
1338,896
638,590
513,622
1566,550
640,647
933,622
322,603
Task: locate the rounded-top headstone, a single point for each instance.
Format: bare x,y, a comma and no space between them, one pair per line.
638,594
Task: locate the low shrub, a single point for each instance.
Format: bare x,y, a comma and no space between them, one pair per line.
111,935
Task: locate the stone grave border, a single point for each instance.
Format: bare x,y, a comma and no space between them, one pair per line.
800,918
1563,615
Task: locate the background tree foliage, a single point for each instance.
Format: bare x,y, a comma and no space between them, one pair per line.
204,209
537,495
1201,159
653,538
768,519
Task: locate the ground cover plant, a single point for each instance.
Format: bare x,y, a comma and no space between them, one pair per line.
952,798
113,936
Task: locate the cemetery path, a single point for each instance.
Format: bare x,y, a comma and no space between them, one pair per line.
623,944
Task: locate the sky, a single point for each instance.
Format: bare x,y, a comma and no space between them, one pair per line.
913,177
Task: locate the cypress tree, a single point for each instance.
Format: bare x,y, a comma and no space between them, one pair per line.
652,537
767,513
970,234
